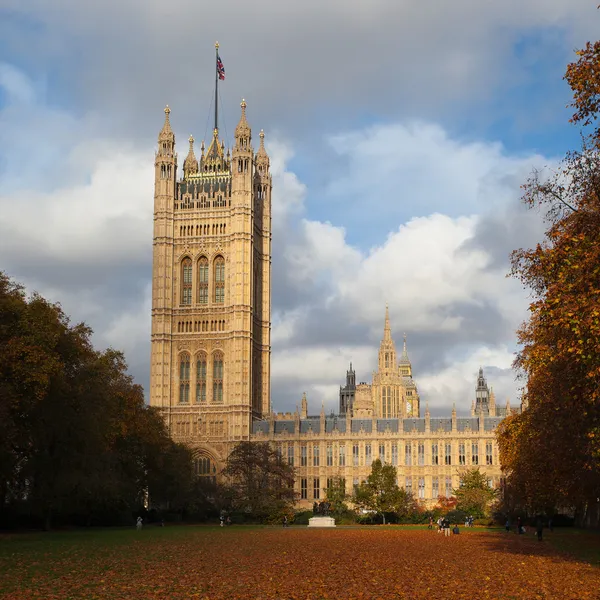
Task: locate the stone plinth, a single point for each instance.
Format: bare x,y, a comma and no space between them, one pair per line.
321,522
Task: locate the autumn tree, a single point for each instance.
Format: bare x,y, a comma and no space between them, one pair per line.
474,496
77,442
380,492
551,452
260,481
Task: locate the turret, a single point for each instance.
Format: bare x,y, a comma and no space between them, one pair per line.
304,407
165,165
482,394
190,165
242,159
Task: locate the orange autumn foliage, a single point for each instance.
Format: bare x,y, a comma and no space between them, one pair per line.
372,563
551,452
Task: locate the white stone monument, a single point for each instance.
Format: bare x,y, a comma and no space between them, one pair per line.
321,521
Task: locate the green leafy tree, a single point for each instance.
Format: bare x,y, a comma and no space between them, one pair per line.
474,496
380,492
336,495
261,482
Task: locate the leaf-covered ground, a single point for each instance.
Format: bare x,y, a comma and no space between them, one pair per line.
239,562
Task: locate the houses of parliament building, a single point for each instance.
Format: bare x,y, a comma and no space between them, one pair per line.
211,348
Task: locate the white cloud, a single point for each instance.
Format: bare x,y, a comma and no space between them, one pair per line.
388,55
87,243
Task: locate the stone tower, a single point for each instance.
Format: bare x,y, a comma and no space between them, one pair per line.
347,392
482,394
211,289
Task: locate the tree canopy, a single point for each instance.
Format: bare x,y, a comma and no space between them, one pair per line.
77,442
261,482
551,452
474,496
380,492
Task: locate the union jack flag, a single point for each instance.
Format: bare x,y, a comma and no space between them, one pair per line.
220,68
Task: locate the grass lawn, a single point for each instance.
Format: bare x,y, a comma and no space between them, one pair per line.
255,562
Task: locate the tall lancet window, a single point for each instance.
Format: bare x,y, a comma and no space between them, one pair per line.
217,377
201,378
184,378
186,281
203,280
219,265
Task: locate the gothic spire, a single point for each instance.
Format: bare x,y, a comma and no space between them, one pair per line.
166,133
404,356
190,165
262,158
387,330
242,129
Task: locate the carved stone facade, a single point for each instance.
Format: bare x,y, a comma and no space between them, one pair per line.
210,358
211,291
383,420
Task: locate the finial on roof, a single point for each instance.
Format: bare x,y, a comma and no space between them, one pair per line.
217,45
190,165
242,129
166,131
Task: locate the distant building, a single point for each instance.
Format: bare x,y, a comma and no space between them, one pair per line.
210,358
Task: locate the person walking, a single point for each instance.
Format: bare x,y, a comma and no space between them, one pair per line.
430,526
539,528
139,523
507,525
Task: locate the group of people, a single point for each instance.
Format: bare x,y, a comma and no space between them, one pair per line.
539,526
444,526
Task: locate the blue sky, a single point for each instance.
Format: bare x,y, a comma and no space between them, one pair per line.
399,135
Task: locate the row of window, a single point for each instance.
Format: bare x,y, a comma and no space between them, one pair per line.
194,326
218,292
198,230
188,203
391,457
439,486
185,383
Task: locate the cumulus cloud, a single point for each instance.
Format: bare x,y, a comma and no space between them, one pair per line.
82,236
392,56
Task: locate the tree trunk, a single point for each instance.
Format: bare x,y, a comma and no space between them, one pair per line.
48,520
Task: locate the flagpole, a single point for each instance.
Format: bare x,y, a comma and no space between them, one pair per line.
216,84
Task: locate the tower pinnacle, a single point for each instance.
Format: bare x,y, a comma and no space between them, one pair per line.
190,165
387,330
166,133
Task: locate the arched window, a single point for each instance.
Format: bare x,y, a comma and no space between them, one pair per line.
204,467
219,266
384,402
217,377
201,378
184,378
203,280
186,281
